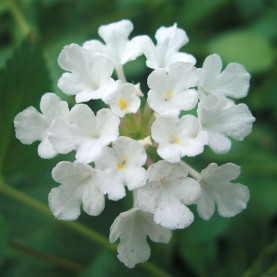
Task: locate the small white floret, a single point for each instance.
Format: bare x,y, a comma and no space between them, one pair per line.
170,92
233,81
124,99
121,165
221,118
217,189
132,228
167,193
30,125
178,137
78,186
84,132
169,41
89,77
118,48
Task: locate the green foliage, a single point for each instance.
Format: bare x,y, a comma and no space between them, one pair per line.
22,83
249,49
3,238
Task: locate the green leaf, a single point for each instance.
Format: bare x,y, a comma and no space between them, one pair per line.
249,49
103,266
22,84
3,238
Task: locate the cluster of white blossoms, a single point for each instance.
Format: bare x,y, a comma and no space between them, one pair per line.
107,162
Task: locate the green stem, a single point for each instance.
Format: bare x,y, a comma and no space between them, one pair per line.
19,17
46,257
77,227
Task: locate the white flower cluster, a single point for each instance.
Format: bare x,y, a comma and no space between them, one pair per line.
107,162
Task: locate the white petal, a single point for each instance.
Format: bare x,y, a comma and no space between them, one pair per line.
111,183
30,125
101,69
71,84
231,199
205,205
173,215
95,47
89,150
108,125
93,200
51,106
46,150
172,36
135,177
83,117
74,58
64,136
116,31
65,201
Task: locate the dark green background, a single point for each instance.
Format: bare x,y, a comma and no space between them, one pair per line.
242,31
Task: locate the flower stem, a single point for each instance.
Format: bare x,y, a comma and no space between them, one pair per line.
19,18
120,73
46,257
192,172
77,227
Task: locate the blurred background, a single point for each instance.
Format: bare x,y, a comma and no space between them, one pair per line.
32,34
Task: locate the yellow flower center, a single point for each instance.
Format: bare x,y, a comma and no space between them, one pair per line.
174,140
122,164
167,96
122,105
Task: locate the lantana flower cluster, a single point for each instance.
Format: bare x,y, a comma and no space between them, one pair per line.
112,159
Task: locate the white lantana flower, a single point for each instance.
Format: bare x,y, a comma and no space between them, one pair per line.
30,125
222,118
167,190
89,77
133,227
121,165
178,137
217,189
169,42
118,48
78,186
124,99
84,132
233,81
170,92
